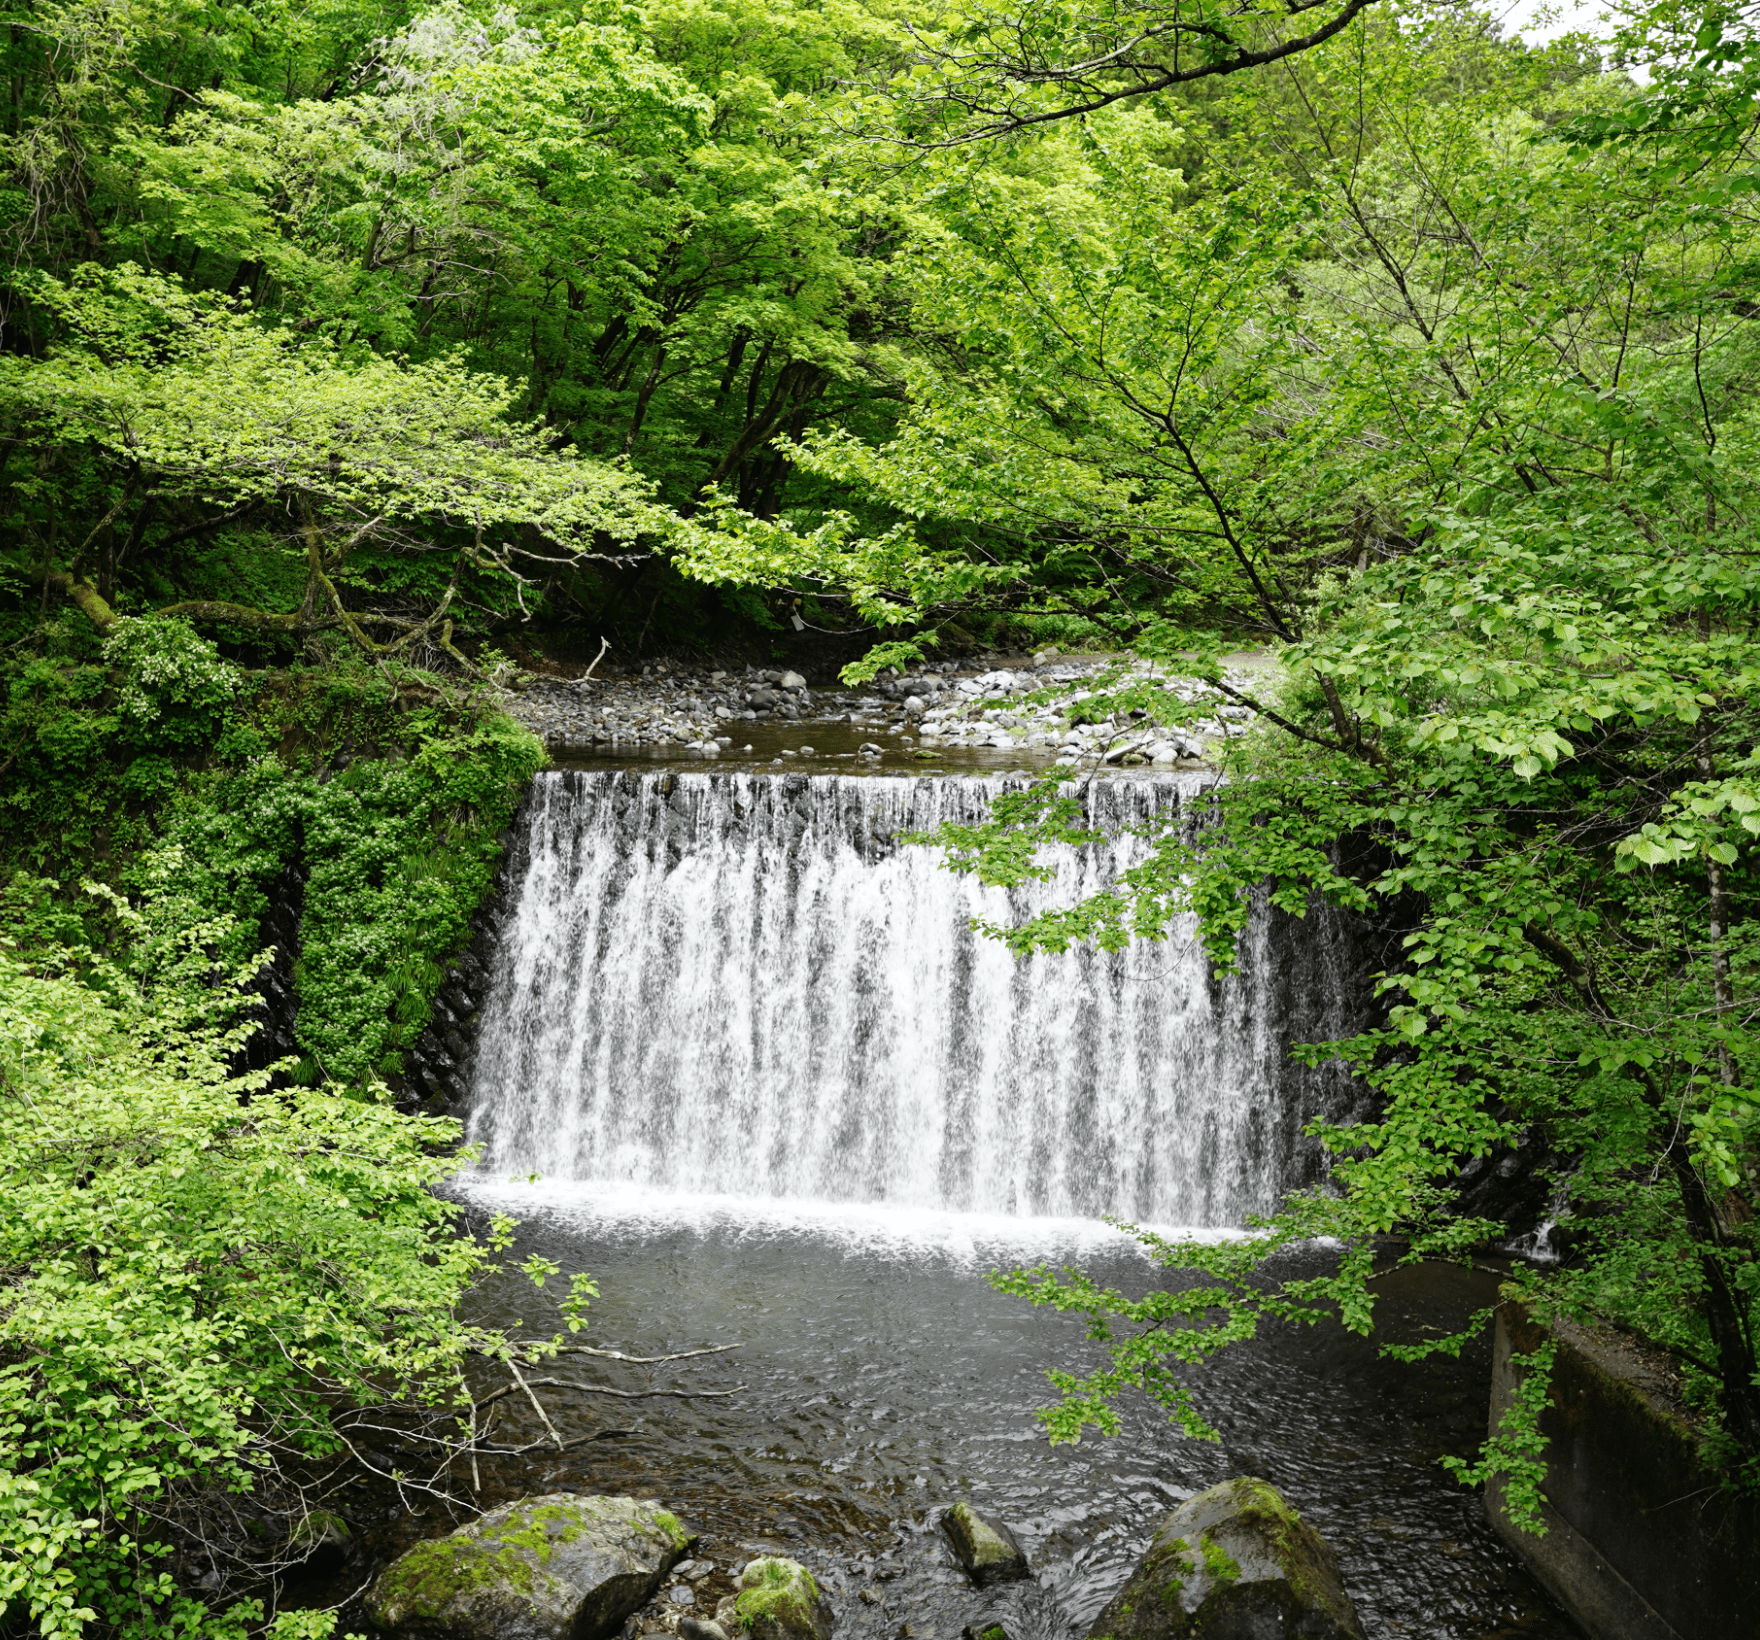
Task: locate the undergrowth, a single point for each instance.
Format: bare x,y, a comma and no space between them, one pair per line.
151,762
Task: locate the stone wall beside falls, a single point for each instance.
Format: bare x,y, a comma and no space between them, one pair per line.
743,984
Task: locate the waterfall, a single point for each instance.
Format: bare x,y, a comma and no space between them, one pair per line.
742,984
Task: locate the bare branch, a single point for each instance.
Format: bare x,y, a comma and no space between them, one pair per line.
537,1405
1097,77
533,1346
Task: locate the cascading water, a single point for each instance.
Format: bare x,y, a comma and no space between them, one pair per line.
741,984
762,1063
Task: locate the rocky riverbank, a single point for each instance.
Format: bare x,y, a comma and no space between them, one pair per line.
1234,1562
1033,708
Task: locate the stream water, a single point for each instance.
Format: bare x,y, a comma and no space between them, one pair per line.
744,1059
880,1376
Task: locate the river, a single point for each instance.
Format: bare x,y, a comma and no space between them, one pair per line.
744,1059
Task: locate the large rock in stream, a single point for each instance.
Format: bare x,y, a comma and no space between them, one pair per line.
987,1549
559,1567
1233,1563
778,1599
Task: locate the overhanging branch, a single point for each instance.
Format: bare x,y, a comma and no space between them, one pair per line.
1131,76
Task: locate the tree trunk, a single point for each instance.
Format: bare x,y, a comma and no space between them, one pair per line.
85,595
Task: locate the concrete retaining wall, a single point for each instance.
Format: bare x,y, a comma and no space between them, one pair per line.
1642,1541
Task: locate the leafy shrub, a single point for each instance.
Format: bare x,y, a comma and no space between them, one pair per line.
164,668
399,854
203,1277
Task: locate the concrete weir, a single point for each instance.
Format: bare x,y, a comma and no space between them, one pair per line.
1642,1542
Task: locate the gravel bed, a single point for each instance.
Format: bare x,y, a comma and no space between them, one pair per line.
948,704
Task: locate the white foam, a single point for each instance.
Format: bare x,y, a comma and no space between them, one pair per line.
617,1210
715,982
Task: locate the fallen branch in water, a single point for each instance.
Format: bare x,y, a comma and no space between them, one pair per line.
536,1350
531,1351
599,1389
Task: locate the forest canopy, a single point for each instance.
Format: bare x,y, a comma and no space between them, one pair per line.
343,349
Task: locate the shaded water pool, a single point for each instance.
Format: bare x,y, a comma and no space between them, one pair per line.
882,1377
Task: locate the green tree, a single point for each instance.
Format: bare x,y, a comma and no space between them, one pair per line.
1496,442
158,396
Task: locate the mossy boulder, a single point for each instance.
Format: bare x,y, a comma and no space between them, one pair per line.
986,1548
319,1541
1233,1563
777,1599
560,1567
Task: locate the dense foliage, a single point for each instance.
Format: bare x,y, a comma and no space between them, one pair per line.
341,347
368,324
370,803
210,1285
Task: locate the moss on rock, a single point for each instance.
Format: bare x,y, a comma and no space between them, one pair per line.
988,1549
1308,1563
779,1600
421,1585
561,1567
1233,1563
